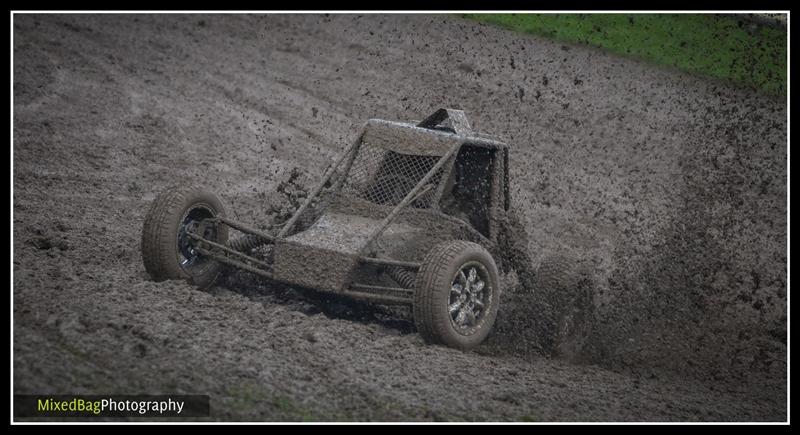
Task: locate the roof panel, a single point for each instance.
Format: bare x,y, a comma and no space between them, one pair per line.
410,139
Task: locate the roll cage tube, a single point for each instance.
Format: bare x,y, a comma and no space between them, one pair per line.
317,189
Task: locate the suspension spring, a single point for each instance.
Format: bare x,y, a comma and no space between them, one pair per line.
403,276
246,243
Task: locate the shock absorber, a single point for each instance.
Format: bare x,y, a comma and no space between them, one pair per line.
246,243
403,276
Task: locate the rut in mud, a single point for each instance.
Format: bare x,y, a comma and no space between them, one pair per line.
666,191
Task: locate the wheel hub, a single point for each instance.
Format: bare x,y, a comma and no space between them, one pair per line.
468,296
188,255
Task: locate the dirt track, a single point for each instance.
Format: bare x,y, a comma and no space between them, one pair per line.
672,189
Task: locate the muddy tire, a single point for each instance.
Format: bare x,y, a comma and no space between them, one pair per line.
457,295
565,286
556,273
166,250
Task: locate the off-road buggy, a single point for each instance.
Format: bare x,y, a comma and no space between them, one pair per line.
408,214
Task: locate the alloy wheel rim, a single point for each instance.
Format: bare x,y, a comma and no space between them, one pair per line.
189,258
470,297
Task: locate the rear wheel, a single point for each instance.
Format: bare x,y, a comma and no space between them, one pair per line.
565,285
557,273
457,295
167,250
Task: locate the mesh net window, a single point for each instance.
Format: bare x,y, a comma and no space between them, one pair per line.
385,177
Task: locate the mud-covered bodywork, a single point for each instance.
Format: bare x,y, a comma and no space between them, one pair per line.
399,189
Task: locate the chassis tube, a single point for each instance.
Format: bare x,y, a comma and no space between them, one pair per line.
376,298
357,286
228,250
243,228
234,263
388,262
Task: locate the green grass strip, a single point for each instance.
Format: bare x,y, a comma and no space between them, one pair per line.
720,46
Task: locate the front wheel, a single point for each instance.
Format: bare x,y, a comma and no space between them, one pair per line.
457,295
167,250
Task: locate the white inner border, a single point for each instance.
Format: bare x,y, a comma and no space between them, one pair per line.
356,11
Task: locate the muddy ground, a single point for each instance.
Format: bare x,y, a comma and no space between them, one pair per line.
670,189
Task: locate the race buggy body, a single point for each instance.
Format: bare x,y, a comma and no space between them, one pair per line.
408,214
